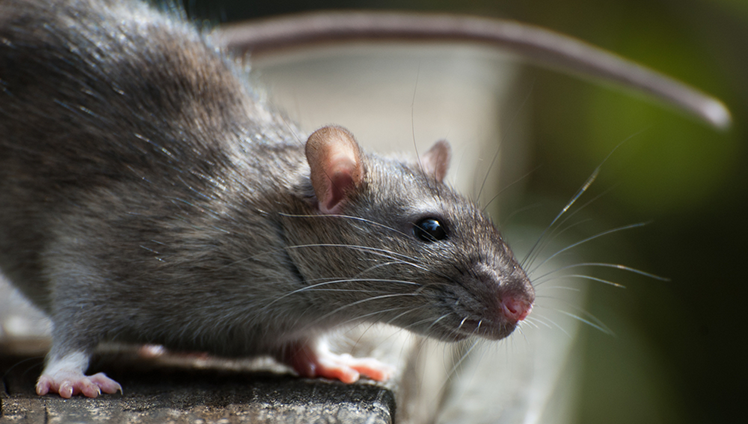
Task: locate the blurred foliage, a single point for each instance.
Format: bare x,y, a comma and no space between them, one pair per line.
679,354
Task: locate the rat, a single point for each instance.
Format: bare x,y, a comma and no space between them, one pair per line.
148,196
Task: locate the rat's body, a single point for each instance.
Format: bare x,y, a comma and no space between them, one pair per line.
147,197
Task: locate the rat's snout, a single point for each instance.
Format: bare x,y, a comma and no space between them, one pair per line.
496,300
509,294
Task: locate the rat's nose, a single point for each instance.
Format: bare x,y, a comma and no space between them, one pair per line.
515,309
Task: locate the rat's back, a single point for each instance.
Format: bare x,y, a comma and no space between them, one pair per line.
79,89
87,81
101,94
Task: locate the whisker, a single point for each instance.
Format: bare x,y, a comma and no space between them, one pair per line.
353,218
383,252
551,324
459,362
586,277
606,265
358,302
602,328
550,238
414,324
347,280
520,330
375,251
407,312
498,150
412,119
518,211
382,265
372,250
573,245
508,186
399,261
437,321
579,193
529,322
359,318
574,198
555,233
592,321
536,321
461,323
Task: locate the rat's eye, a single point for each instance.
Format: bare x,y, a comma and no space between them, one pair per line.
430,229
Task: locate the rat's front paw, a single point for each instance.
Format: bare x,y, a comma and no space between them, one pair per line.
317,361
69,383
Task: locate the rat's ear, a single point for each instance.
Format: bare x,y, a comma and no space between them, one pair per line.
336,168
435,162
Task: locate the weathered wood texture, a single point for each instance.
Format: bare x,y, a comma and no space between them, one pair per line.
155,393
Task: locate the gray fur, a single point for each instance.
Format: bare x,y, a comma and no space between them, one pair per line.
146,196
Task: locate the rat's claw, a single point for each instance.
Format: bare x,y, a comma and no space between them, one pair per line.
105,384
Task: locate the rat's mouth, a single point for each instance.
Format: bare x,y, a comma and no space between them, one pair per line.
487,329
471,328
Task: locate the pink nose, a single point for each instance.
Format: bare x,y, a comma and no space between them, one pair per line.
514,309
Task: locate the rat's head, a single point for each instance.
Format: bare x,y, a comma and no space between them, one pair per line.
392,243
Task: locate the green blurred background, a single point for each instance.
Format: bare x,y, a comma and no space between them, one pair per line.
679,352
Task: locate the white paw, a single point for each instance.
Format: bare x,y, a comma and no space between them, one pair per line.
65,377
